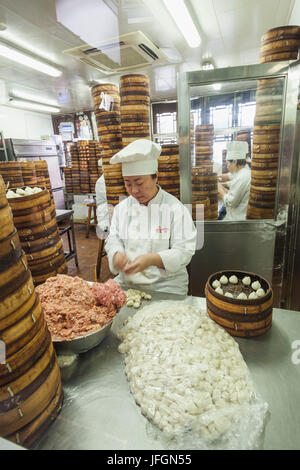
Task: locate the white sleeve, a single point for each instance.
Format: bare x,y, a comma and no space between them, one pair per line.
183,238
236,193
101,201
113,242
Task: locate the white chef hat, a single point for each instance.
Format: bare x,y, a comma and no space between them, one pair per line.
100,162
138,158
237,150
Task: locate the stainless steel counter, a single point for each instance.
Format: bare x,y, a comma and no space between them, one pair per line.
99,411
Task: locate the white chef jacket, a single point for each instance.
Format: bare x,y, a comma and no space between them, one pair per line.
236,200
101,201
165,227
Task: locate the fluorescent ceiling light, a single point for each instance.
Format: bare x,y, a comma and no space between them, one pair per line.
33,106
217,86
24,95
183,19
24,59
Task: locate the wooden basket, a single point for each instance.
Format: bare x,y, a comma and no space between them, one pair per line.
244,318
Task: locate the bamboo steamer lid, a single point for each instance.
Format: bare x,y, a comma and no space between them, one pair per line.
281,32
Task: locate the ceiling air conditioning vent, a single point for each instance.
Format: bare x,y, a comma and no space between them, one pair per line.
131,51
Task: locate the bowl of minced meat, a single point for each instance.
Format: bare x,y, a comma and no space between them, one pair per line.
79,314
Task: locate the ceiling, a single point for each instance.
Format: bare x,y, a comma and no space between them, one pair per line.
230,31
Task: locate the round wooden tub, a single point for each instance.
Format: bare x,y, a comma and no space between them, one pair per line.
245,318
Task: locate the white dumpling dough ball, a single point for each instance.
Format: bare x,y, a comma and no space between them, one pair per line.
224,280
256,285
228,294
246,281
219,290
216,283
260,292
242,296
233,280
252,295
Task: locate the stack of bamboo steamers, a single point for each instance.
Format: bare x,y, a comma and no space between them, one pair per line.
106,100
84,171
276,45
27,173
30,382
35,219
122,117
204,181
168,169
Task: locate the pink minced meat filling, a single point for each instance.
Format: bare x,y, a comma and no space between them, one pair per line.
74,308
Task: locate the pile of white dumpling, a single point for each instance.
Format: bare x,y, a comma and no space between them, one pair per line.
19,192
256,293
134,297
185,371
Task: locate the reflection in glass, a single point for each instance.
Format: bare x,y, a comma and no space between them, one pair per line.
246,111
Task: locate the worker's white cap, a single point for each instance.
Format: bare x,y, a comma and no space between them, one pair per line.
237,150
138,158
100,162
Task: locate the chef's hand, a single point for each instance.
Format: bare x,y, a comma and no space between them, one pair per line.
120,260
142,262
221,190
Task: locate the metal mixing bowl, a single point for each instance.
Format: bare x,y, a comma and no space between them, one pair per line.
82,344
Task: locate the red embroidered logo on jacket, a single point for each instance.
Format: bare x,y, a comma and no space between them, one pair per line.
162,230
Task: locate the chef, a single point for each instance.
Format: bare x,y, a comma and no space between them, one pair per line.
236,197
152,235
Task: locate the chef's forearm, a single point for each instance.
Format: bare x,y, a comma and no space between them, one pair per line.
155,260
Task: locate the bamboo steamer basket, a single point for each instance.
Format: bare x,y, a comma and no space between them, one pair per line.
27,435
12,174
168,169
7,226
14,297
10,251
12,317
22,384
280,43
30,408
278,57
281,33
110,134
68,180
255,213
135,107
24,331
21,332
266,148
21,361
29,173
206,185
34,215
243,318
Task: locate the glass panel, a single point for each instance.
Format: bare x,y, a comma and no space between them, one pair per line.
235,140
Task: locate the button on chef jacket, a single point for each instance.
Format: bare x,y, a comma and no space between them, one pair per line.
165,227
236,200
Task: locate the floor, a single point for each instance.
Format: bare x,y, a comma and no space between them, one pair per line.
87,250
